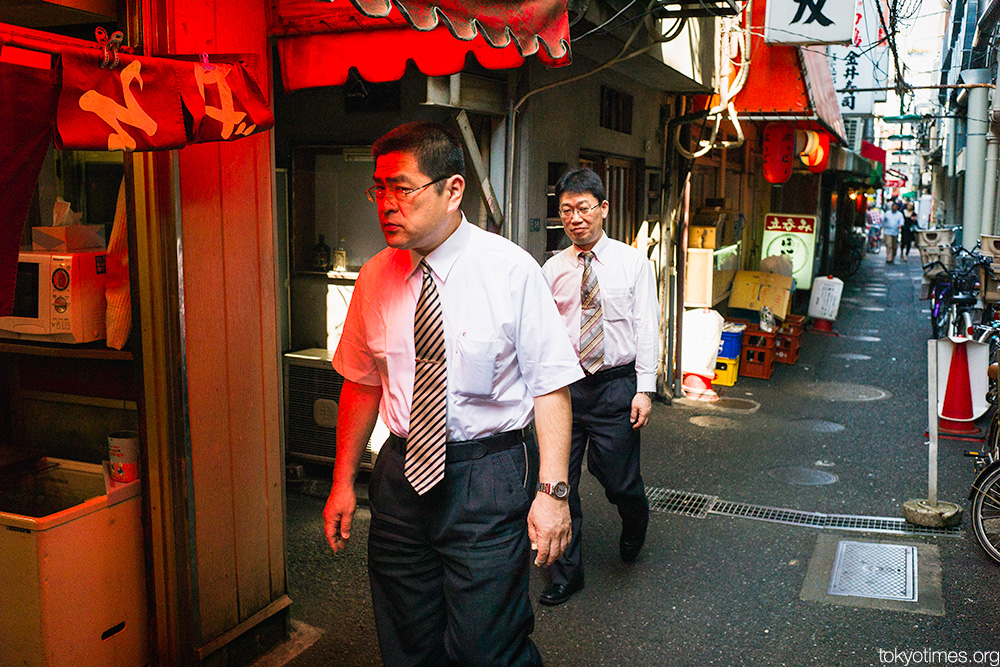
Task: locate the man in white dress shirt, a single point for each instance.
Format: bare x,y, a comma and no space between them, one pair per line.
606,294
448,547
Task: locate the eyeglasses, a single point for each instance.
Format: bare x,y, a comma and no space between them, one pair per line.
567,213
377,193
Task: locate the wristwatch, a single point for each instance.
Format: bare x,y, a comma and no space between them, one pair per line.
558,490
651,394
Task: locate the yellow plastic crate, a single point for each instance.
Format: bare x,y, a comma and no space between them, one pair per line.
726,371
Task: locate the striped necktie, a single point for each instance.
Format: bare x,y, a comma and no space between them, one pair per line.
591,318
425,444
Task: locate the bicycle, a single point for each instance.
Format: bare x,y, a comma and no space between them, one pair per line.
985,492
848,260
874,238
954,293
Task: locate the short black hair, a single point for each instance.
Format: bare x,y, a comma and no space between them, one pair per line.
581,181
436,150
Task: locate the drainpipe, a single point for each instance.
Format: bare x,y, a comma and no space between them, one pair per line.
671,325
975,155
991,217
992,158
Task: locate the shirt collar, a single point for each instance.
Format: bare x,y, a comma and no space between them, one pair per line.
600,248
443,258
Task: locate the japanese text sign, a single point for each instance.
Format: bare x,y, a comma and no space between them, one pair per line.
793,236
809,21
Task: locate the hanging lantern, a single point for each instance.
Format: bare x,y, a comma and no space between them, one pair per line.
818,159
779,152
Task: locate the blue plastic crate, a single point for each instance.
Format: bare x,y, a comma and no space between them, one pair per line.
731,344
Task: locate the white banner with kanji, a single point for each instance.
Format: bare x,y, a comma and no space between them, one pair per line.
792,236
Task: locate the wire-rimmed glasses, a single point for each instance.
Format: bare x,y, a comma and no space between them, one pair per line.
567,212
377,193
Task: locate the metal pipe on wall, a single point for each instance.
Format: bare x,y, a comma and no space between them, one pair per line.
975,156
989,215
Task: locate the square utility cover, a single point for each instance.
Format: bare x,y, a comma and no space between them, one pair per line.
866,569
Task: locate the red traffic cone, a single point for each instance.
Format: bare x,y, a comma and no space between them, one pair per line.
698,387
956,415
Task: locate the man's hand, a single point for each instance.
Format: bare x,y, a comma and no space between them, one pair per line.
549,528
338,516
642,405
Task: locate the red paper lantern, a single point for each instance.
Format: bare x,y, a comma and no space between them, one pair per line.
817,160
779,152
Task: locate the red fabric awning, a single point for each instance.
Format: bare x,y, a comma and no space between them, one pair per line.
789,83
319,42
872,152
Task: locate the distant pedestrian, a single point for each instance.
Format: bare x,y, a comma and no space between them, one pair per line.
892,222
453,337
909,232
606,293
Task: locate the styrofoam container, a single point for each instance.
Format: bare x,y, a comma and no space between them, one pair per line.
72,581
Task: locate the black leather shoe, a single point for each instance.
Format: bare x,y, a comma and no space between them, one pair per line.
558,593
630,549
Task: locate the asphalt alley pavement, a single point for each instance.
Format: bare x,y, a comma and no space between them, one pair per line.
840,432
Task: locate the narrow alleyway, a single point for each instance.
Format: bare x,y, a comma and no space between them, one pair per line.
840,432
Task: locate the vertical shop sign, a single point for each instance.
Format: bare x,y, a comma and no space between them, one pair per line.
794,237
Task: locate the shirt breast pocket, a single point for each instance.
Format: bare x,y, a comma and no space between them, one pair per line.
616,303
475,363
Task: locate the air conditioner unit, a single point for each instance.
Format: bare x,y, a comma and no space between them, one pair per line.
312,393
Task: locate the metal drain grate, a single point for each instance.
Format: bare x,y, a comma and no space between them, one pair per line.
680,502
883,571
867,524
699,506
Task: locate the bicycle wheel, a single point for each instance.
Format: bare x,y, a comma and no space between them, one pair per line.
986,514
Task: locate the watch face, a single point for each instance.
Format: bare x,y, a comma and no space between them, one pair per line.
560,490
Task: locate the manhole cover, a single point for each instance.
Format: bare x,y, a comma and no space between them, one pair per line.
842,392
882,571
800,476
818,425
853,356
711,421
736,404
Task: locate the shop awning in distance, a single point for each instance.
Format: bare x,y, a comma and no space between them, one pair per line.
789,83
320,41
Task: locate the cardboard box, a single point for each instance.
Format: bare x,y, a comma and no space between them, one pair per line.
755,289
67,238
701,237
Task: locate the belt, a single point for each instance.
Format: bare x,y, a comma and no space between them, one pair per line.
613,373
467,450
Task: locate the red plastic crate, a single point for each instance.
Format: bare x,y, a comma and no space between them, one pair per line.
787,356
754,336
792,326
757,362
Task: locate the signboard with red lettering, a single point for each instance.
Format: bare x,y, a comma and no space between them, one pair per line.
793,236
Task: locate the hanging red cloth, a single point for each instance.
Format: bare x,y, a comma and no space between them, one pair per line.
222,102
28,98
148,104
135,106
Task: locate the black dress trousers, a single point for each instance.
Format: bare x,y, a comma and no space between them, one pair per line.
602,429
449,569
